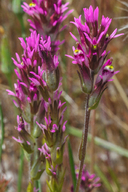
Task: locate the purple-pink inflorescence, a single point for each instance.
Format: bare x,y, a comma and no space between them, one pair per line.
36,93
90,53
93,40
46,18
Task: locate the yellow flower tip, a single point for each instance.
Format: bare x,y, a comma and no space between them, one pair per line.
94,47
109,67
32,4
107,35
22,63
77,51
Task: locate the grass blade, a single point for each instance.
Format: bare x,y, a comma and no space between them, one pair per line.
38,185
71,161
100,142
103,179
115,179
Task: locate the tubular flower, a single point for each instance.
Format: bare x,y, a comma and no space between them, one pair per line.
103,77
50,65
46,152
47,17
48,74
30,58
88,181
25,139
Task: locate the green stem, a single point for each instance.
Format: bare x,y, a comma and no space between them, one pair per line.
2,131
72,167
92,148
38,185
31,160
84,142
21,169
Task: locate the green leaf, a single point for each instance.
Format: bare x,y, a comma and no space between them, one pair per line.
38,185
71,161
16,6
7,66
104,179
115,179
49,186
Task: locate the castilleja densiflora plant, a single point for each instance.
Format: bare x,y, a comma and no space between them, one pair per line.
94,72
37,95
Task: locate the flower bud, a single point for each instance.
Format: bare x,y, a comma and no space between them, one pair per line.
38,168
85,79
52,78
57,152
104,76
36,131
26,140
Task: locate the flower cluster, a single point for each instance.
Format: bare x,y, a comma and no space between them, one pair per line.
47,17
37,94
88,181
90,53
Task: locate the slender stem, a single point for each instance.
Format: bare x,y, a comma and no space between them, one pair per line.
38,185
92,141
84,142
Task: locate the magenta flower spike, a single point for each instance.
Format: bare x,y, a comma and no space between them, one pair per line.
37,95
94,41
47,17
90,52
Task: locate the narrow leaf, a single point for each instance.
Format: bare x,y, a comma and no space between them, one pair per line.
100,142
71,161
104,179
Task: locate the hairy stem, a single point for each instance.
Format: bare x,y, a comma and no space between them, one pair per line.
92,154
84,142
